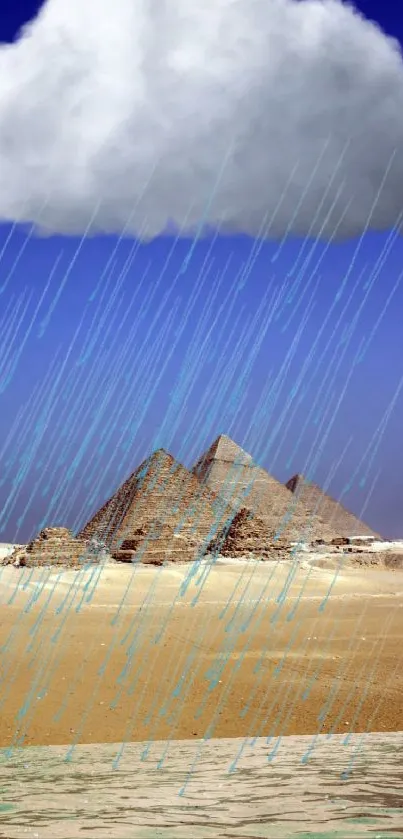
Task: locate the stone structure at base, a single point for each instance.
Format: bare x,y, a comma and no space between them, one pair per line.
53,546
247,535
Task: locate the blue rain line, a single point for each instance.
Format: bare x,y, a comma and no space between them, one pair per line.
359,746
70,688
13,335
382,429
122,603
90,587
174,665
186,669
42,614
56,663
39,651
22,716
190,365
321,204
309,285
275,673
276,210
380,317
269,688
217,378
38,589
11,232
354,323
121,319
45,322
23,247
345,663
28,412
204,740
29,329
180,681
208,206
228,684
98,337
369,495
97,419
201,642
12,678
40,429
18,584
379,431
284,697
301,200
374,657
9,339
325,247
277,386
319,447
286,704
132,720
347,342
131,427
99,332
7,322
92,698
311,412
190,658
366,227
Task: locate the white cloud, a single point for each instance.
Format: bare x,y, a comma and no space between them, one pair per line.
97,93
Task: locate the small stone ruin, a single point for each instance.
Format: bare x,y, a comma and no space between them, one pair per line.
248,535
53,546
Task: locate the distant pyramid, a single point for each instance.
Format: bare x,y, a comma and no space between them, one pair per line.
160,510
227,469
332,512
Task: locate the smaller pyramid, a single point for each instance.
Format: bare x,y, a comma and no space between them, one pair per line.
337,518
52,546
246,535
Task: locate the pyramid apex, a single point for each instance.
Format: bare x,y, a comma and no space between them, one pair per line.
295,481
224,449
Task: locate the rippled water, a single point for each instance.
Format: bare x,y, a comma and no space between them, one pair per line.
295,787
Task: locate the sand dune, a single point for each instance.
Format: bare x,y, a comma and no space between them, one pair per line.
115,653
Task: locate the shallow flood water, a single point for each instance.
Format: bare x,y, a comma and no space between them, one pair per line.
293,787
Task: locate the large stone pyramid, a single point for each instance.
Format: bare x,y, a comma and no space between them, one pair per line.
161,511
228,470
340,520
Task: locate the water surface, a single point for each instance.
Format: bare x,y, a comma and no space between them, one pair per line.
302,787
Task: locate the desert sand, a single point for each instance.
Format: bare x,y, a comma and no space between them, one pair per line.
121,653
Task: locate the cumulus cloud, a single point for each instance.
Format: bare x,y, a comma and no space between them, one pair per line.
261,116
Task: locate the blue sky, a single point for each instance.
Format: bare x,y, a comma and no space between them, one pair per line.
111,349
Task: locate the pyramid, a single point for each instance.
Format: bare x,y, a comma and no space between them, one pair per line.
340,520
246,535
160,512
229,471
